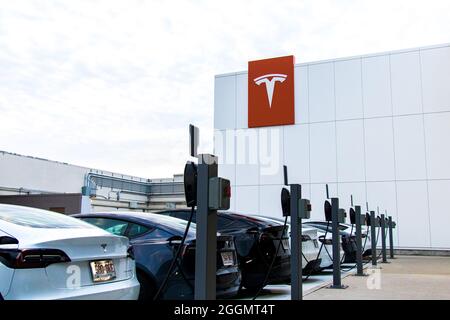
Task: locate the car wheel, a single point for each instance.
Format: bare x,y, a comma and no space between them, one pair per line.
148,289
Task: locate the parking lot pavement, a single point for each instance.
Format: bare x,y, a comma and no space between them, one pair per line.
405,277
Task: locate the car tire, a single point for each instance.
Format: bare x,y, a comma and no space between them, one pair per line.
148,288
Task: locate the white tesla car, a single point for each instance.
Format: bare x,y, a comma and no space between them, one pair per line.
47,255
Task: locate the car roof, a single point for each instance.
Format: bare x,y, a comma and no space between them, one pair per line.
171,224
251,219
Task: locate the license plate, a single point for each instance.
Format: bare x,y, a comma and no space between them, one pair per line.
227,258
103,270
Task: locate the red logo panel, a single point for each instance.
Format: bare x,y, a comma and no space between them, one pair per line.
271,92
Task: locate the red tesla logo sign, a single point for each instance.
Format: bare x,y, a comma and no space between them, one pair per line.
271,92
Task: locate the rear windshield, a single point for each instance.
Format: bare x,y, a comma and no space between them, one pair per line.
175,224
36,218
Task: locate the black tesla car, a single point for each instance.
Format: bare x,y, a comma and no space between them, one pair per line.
155,239
256,241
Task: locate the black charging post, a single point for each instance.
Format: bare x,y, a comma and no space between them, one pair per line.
337,216
383,239
209,193
373,238
297,208
358,221
206,238
391,226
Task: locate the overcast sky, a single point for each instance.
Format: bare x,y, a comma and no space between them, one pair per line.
114,84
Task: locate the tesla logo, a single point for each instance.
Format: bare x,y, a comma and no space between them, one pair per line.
270,84
104,247
271,92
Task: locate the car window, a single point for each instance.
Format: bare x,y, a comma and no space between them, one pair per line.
156,233
114,226
37,218
136,230
224,223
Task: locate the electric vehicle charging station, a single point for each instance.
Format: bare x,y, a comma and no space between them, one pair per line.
391,226
209,193
297,208
371,222
357,219
383,238
336,215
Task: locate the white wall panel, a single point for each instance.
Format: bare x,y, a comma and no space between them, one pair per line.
439,213
350,150
269,201
436,79
409,148
271,155
437,133
301,95
297,153
233,198
242,101
376,86
247,200
323,152
348,89
406,87
318,197
224,149
306,191
382,195
379,149
225,102
358,190
321,92
247,165
413,226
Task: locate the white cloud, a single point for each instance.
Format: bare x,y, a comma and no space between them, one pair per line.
114,84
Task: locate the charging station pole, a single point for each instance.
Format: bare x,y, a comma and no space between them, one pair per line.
383,238
336,245
296,244
391,238
297,208
373,239
206,242
208,192
359,262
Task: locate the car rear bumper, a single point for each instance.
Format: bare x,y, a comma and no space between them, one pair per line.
38,288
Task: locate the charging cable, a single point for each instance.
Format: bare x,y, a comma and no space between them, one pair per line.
273,261
175,259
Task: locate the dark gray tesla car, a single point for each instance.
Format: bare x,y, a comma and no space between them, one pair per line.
155,239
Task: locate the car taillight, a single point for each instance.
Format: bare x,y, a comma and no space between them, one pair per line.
130,252
32,258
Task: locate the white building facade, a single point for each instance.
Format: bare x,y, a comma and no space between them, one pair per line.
375,126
